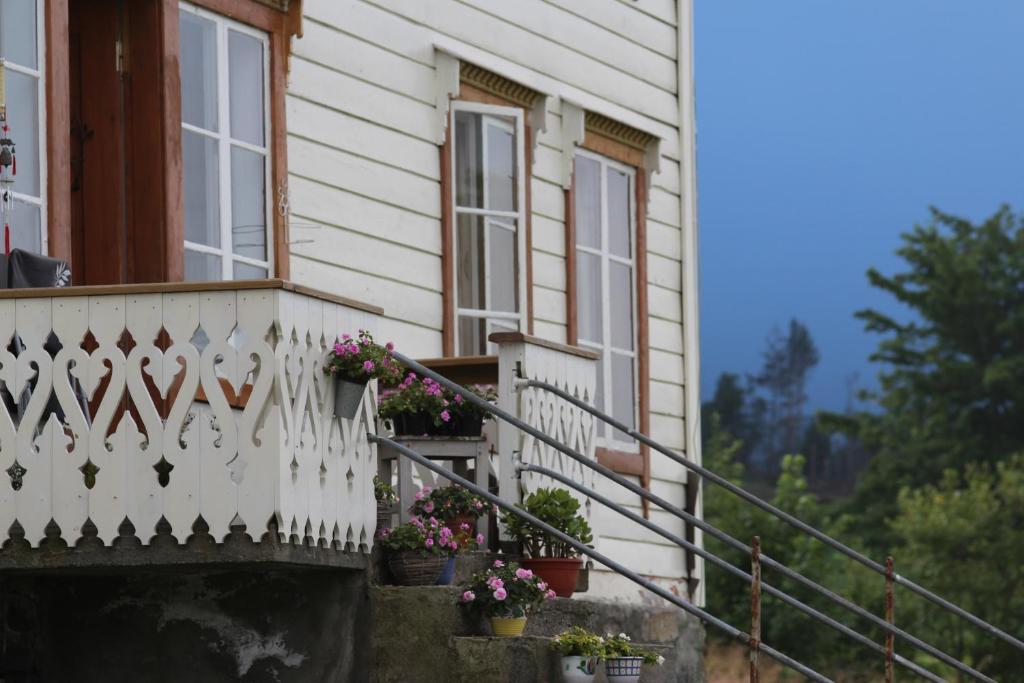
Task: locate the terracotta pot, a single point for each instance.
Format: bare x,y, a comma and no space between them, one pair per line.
455,524
413,568
508,627
623,669
560,573
577,669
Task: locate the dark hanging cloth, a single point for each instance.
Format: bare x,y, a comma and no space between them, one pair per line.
23,270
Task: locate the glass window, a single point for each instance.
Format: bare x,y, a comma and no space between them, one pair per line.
24,211
224,147
604,199
489,282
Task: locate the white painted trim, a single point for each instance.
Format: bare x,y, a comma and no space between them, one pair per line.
573,132
446,88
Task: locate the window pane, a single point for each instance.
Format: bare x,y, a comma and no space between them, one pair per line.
25,232
23,118
501,167
589,297
198,71
472,336
199,266
623,392
469,177
245,77
469,244
18,32
248,204
202,213
619,209
588,202
244,271
504,293
620,294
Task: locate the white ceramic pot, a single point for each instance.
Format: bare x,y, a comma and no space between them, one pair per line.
579,669
623,669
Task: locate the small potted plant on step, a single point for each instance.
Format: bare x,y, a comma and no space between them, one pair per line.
386,498
457,508
581,652
624,660
417,551
554,561
505,593
353,363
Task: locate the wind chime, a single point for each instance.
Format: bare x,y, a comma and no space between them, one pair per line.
8,164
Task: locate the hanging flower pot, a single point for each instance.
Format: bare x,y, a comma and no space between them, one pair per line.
353,363
416,568
579,669
623,669
560,573
347,397
508,627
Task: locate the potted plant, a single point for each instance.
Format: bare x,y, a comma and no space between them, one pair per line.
353,363
624,660
554,561
417,551
423,407
457,508
385,495
505,593
581,652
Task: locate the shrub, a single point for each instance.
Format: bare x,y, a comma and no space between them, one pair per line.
429,538
556,507
447,502
426,397
622,646
578,642
383,491
505,590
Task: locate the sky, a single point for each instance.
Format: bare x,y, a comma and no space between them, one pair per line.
826,128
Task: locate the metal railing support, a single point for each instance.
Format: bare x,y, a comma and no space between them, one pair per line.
780,514
707,618
675,510
890,606
755,608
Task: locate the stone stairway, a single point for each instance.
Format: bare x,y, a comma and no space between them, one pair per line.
421,635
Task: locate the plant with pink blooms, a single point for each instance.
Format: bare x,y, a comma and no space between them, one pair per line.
360,359
421,405
448,502
505,590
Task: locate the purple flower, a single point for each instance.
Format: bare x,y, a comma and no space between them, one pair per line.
458,398
550,595
498,564
346,336
464,527
428,507
446,416
468,596
429,543
390,346
479,539
524,574
368,365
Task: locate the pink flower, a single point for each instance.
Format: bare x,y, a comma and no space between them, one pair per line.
412,375
458,398
542,585
339,349
464,527
390,346
494,583
498,564
352,348
479,539
500,594
428,507
468,596
524,574
429,543
432,520
368,365
419,495
550,595
446,416
346,336
478,504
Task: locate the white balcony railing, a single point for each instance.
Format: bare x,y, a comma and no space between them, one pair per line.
138,403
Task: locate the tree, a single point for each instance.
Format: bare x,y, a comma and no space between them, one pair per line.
788,360
952,387
734,411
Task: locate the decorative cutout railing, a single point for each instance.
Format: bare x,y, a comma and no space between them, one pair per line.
163,404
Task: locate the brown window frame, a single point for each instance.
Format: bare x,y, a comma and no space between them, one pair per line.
157,226
471,91
635,464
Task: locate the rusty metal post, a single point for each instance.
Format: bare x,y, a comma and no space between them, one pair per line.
890,607
755,607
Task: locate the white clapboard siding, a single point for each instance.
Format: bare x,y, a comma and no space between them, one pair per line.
667,367
548,235
667,398
554,331
625,20
664,304
549,305
548,271
664,272
664,240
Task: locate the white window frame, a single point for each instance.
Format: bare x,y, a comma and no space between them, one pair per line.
605,347
38,73
492,115
225,142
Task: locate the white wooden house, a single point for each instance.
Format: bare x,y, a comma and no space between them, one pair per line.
460,167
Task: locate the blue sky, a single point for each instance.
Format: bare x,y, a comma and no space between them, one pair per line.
825,129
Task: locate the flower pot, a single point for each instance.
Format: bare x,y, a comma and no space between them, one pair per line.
413,568
411,424
579,669
383,515
467,425
623,669
508,627
455,524
560,573
448,573
347,397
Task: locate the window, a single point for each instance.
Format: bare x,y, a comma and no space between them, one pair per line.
488,196
22,50
225,128
606,300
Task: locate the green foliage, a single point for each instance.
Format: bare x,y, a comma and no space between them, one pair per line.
505,590
622,646
438,404
788,361
952,390
578,642
556,507
383,491
447,502
964,538
429,538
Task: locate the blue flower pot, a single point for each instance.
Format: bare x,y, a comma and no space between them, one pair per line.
448,573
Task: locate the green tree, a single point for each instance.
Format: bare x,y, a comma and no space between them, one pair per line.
734,411
952,387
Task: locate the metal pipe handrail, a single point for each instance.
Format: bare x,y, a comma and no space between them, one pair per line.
682,514
707,618
736,571
785,516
